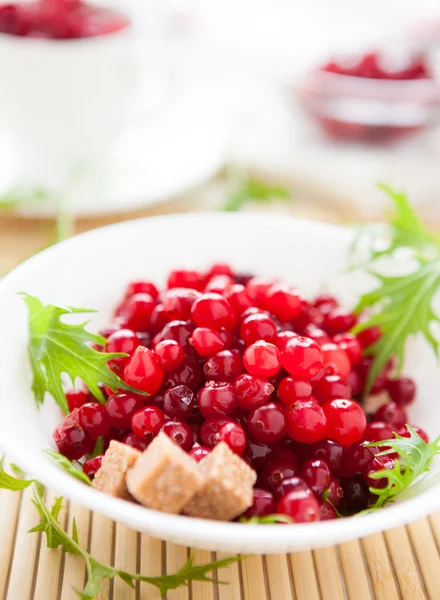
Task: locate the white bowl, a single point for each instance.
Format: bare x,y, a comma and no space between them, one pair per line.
92,269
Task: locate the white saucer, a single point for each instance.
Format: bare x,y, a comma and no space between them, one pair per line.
180,145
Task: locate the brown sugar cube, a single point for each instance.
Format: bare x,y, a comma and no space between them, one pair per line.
110,477
227,486
165,477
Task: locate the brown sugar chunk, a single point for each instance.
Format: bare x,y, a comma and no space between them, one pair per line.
110,477
227,488
165,477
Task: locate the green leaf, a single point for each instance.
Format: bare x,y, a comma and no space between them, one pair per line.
65,464
267,519
56,348
325,497
99,447
13,484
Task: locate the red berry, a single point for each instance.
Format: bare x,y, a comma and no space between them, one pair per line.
141,287
135,312
199,452
346,421
234,436
327,512
140,443
356,494
356,459
185,278
121,407
171,354
92,465
306,422
355,383
147,422
335,493
317,474
283,337
143,371
257,455
300,506
351,346
283,301
238,298
219,284
125,341
177,303
403,431
291,484
258,327
326,300
179,331
210,428
368,337
316,334
267,424
391,413
180,432
76,398
262,359
212,311
329,451
178,402
302,358
274,473
70,438
335,360
402,391
257,288
93,418
189,373
263,504
339,320
251,392
220,268
158,319
290,390
379,463
207,342
378,431
216,399
223,366
330,387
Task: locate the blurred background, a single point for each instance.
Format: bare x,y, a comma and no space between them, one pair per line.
139,107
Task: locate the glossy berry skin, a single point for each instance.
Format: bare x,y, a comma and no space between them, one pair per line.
179,331
216,399
140,443
335,360
170,353
302,358
402,391
141,287
238,298
177,303
252,392
291,484
219,284
379,463
327,512
263,504
125,341
351,346
283,301
76,398
355,383
356,494
258,327
180,432
267,424
121,407
206,342
274,473
331,387
135,312
306,422
257,455
257,288
93,418
186,278
219,268
143,371
158,319
92,465
147,422
210,428
199,452
391,413
71,439
317,474
335,493
316,334
346,421
212,311
368,337
290,390
282,339
378,431
262,359
189,373
234,436
178,402
300,506
329,451
356,460
339,320
223,366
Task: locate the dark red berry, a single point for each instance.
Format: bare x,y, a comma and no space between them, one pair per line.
356,494
189,373
339,320
346,421
274,473
71,439
378,431
171,354
140,443
223,366
391,413
234,436
300,506
368,337
179,331
334,492
327,512
76,398
267,424
356,459
252,392
180,432
210,428
257,454
178,402
147,422
199,452
317,474
290,390
402,391
216,399
329,451
92,465
351,346
306,422
263,504
93,418
291,484
121,407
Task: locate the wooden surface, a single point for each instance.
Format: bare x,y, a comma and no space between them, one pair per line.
401,564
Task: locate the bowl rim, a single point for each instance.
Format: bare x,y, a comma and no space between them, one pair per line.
303,535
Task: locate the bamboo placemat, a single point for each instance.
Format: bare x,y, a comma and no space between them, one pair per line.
400,564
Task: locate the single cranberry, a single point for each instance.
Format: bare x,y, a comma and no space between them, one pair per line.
351,346
219,284
177,303
252,392
267,424
238,298
346,421
216,399
283,337
121,407
369,336
185,278
123,340
356,460
179,331
329,451
171,354
335,493
262,359
301,451
316,334
141,287
302,358
199,452
402,391
180,432
309,315
252,310
355,383
143,371
356,494
257,288
403,431
206,342
158,319
327,512
140,443
178,402
210,428
326,300
257,454
379,463
391,413
135,312
223,366
335,360
363,368
189,373
234,436
92,465
274,473
291,484
263,504
147,422
258,327
339,320
378,431
300,506
330,387
226,338
306,422
212,311
283,301
76,398
93,418
290,390
220,268
70,438
317,474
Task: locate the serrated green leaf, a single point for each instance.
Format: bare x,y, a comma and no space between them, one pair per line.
56,348
65,464
13,484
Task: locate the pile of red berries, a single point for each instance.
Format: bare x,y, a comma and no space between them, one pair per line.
370,66
247,360
58,19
